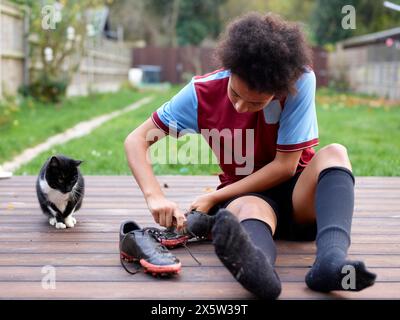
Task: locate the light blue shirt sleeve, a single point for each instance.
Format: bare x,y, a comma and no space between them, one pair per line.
180,113
298,127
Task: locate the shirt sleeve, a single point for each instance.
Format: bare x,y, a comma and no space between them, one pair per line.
179,115
298,127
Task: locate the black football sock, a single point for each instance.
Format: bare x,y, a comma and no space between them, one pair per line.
334,204
260,235
247,262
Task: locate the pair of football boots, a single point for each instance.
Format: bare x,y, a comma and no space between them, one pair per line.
148,248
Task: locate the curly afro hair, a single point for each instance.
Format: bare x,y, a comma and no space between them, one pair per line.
268,53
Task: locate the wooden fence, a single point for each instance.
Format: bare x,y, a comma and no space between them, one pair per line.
179,64
12,48
103,68
371,69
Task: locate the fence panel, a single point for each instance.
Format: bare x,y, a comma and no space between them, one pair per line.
372,69
11,48
104,67
179,64
320,66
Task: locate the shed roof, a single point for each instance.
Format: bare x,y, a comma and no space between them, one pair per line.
371,38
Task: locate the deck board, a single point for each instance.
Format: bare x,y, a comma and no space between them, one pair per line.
86,257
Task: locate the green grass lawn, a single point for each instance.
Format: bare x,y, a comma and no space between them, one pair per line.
34,122
372,137
370,133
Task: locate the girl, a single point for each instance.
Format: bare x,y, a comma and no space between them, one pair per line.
284,190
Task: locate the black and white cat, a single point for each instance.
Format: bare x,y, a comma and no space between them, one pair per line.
60,188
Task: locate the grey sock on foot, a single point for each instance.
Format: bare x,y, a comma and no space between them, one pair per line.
331,271
246,262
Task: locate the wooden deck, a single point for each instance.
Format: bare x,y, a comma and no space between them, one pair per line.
87,263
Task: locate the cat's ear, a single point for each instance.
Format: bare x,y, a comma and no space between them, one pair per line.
78,162
54,162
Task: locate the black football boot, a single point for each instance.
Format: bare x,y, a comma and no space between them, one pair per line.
139,245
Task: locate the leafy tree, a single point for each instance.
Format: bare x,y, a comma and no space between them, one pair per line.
293,10
153,21
371,16
168,22
58,32
198,19
326,21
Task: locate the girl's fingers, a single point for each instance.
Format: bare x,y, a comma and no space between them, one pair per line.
180,219
156,217
168,219
162,219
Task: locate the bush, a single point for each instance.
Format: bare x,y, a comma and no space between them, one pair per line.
45,89
8,106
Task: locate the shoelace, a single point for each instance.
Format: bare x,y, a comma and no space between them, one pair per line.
191,254
155,232
160,233
135,264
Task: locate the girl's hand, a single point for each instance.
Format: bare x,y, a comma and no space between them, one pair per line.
203,203
165,212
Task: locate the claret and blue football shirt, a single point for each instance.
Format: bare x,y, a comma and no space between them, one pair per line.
286,125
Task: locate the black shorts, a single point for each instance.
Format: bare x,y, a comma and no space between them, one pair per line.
280,199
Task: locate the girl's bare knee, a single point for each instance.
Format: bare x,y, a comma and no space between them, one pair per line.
251,207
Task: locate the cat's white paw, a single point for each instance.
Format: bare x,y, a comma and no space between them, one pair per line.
52,221
60,225
70,221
